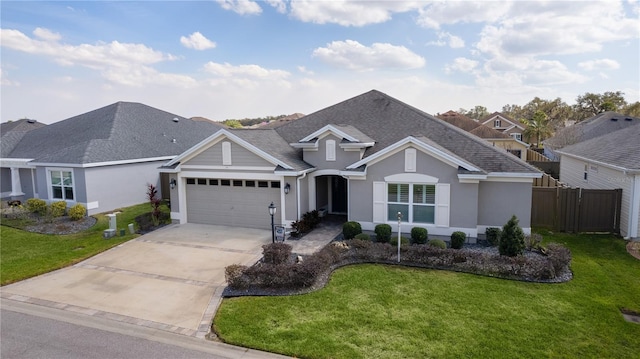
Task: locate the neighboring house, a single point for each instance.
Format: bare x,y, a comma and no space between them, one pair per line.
102,159
495,137
368,158
592,127
504,124
11,133
608,161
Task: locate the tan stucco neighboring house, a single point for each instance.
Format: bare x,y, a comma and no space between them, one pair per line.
505,124
496,138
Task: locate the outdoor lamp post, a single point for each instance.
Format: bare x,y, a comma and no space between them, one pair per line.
272,211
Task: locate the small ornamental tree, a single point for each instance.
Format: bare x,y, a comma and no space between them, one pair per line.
155,202
511,239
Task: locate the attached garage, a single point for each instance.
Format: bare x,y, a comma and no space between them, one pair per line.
231,202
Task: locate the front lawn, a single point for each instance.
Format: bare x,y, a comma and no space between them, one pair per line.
24,254
377,311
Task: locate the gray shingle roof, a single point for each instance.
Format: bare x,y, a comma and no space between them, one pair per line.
118,132
619,148
467,124
12,132
269,141
593,127
387,121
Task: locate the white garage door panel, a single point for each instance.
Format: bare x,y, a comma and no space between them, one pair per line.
231,206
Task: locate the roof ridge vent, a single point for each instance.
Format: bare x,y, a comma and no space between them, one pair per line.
614,119
30,120
628,119
175,119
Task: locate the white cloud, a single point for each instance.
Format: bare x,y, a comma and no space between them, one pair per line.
558,27
461,64
434,15
124,63
280,5
349,13
445,38
304,70
4,81
197,41
255,71
242,7
601,64
352,55
46,35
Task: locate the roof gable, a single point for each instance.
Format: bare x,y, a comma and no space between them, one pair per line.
235,137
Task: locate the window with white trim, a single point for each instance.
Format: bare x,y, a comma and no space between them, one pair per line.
497,123
517,136
416,202
61,185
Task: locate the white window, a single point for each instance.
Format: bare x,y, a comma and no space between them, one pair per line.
331,150
61,183
517,136
497,123
416,202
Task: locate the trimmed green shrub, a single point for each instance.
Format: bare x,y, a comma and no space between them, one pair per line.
77,212
383,232
419,235
362,237
493,235
457,239
276,253
511,239
404,241
438,243
351,229
58,208
36,205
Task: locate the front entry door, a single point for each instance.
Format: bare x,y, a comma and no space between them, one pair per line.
338,195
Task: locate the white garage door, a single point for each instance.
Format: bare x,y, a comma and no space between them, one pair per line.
238,203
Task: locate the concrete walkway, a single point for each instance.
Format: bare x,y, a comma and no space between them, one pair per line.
313,241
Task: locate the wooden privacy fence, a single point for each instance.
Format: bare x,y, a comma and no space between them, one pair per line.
547,181
576,209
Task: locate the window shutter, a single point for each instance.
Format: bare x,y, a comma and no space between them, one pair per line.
379,203
331,150
442,204
410,160
226,153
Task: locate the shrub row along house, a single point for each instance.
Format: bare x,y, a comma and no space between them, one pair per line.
368,158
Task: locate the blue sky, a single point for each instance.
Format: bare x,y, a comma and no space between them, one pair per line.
236,59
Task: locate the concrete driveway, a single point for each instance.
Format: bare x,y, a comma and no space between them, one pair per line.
169,279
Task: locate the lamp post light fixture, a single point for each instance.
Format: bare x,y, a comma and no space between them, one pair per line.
272,211
172,183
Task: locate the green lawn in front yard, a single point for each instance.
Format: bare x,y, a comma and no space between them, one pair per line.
377,311
24,254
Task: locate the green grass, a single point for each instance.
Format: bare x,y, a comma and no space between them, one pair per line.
376,311
24,254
